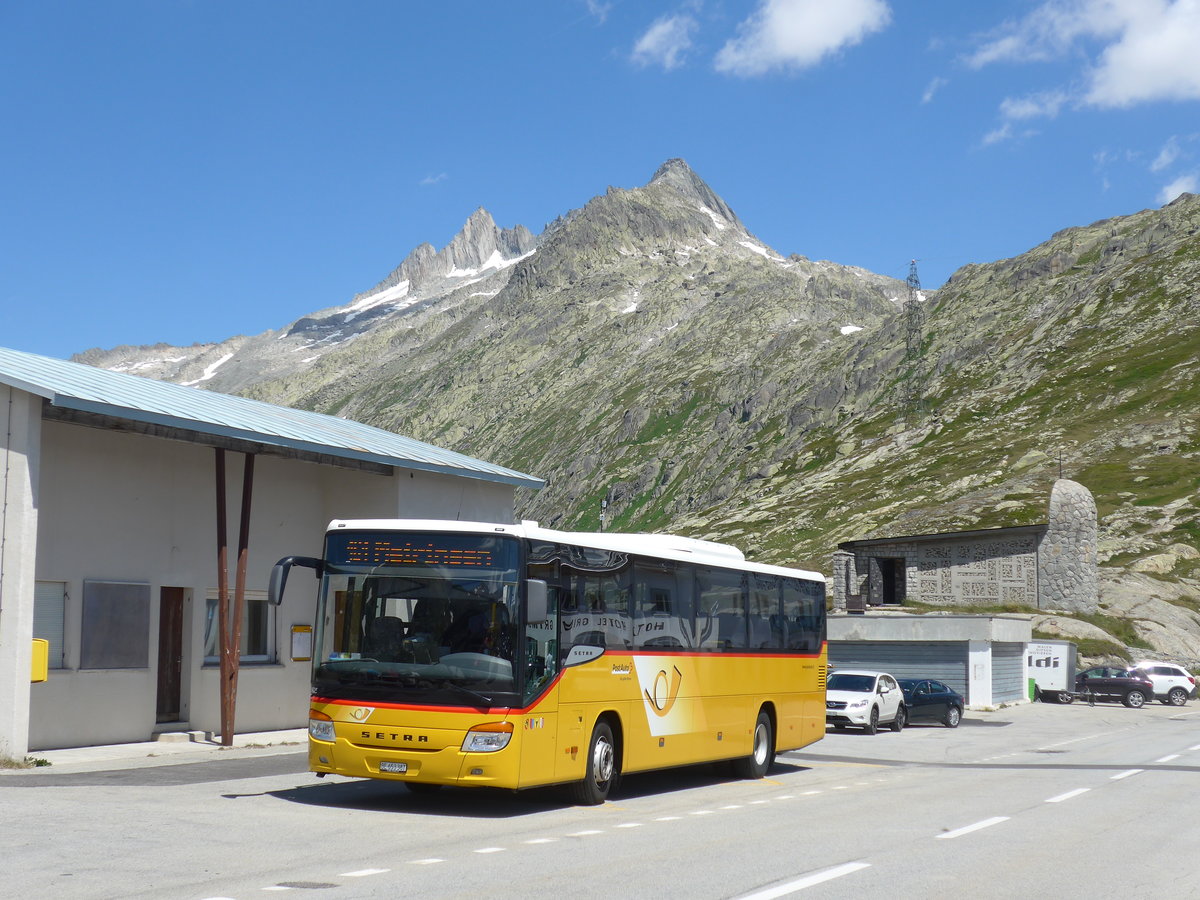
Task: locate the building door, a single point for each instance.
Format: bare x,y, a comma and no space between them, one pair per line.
170,654
892,576
1008,673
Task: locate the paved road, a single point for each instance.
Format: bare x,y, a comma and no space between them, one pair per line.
1037,800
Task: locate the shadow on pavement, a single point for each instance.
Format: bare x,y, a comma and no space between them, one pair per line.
495,803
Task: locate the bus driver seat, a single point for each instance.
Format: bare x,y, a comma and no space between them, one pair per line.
385,639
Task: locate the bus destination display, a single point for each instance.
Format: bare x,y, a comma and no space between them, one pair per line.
399,550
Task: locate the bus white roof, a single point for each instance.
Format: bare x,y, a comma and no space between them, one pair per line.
664,546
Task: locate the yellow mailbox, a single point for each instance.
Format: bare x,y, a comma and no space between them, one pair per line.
41,660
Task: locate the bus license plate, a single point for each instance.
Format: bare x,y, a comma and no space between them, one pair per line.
393,767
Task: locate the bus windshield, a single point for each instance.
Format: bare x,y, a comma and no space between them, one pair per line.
430,619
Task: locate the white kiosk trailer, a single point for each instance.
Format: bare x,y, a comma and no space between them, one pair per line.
1051,667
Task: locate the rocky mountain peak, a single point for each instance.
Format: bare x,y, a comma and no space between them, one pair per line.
677,175
479,245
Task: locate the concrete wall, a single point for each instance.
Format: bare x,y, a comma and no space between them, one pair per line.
20,441
932,628
124,507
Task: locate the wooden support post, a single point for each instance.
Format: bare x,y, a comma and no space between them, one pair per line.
223,603
229,622
239,589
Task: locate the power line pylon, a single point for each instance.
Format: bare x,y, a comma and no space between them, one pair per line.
913,390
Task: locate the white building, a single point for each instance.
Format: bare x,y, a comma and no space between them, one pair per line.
109,544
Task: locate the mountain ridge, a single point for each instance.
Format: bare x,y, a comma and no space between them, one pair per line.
652,353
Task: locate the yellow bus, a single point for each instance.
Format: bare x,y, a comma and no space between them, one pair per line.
515,656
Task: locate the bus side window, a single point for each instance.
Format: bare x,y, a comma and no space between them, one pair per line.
804,614
655,621
720,622
766,624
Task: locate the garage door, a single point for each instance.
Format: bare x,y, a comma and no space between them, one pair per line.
941,661
1008,670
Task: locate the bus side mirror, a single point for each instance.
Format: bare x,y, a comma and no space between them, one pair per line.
536,606
279,574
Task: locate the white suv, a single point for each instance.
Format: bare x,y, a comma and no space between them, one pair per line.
864,699
1173,685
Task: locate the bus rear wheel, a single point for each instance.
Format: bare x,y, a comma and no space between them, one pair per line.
602,768
763,753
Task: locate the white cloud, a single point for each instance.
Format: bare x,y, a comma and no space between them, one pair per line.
1147,48
1050,30
1003,133
1167,155
1044,104
434,179
1006,132
666,42
599,10
932,88
1185,184
796,34
1154,58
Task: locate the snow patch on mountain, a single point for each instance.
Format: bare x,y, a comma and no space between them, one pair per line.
210,371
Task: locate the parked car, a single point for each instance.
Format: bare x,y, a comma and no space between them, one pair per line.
1173,685
865,700
929,700
1109,683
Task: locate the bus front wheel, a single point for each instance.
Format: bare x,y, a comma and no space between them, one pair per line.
602,768
763,753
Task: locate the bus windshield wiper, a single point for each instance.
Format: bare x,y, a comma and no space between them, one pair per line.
454,686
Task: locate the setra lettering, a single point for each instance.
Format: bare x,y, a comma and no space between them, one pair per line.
396,736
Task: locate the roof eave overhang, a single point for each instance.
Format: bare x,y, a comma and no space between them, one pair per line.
944,536
512,478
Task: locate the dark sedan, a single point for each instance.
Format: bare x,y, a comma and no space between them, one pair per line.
931,701
1113,684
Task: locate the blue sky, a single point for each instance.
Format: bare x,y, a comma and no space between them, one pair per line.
188,170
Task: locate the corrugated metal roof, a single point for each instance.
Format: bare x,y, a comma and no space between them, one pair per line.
75,386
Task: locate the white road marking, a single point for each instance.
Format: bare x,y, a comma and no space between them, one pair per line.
363,873
732,806
1168,758
630,825
1068,795
708,812
490,850
668,818
986,823
1127,773
277,887
425,862
1086,737
807,881
1197,747
587,833
541,840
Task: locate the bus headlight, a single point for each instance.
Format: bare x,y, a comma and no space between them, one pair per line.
320,726
488,738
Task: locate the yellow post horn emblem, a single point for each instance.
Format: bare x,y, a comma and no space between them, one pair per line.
665,691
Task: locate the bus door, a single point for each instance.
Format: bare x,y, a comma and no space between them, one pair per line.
540,722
